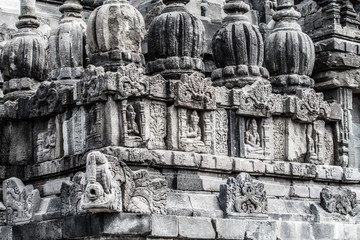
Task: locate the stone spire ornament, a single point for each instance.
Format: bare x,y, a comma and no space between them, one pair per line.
24,58
175,42
115,32
67,43
289,53
238,49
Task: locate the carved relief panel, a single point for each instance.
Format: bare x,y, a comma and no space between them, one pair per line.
190,130
132,123
94,126
220,128
156,125
48,140
251,137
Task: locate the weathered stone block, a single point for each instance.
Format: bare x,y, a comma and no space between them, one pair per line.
299,191
164,226
230,228
243,165
261,230
195,227
329,173
53,187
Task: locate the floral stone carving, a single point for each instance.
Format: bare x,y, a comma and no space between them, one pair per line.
339,200
128,81
111,186
254,99
242,195
195,92
21,201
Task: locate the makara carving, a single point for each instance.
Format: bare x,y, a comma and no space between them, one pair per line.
111,186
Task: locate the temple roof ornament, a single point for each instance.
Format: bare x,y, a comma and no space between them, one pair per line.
115,32
289,53
175,41
67,43
238,49
24,56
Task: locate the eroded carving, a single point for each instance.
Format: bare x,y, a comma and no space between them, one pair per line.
111,186
242,194
157,126
21,201
221,132
339,200
195,91
46,142
254,99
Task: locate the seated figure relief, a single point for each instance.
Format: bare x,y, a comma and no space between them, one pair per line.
252,138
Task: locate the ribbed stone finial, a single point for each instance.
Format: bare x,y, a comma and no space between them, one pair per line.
238,49
235,10
115,32
71,8
24,58
175,42
289,53
27,18
67,43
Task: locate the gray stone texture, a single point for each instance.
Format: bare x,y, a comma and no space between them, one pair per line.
179,119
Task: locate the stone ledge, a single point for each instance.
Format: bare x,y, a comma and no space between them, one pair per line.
133,226
204,162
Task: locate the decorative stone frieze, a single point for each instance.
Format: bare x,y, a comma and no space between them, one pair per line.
339,200
21,201
242,196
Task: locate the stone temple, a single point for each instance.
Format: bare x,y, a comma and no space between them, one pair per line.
179,119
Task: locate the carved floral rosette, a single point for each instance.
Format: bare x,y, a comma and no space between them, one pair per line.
128,81
111,186
195,92
21,201
339,200
242,195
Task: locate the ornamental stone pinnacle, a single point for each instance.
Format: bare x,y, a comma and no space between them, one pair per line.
175,42
289,53
238,49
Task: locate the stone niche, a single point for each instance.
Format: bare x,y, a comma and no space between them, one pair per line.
190,130
252,137
143,123
303,142
47,139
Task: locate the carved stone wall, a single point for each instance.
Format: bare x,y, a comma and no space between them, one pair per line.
181,119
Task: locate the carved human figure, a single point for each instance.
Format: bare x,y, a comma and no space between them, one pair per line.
194,130
133,128
46,142
312,156
252,138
